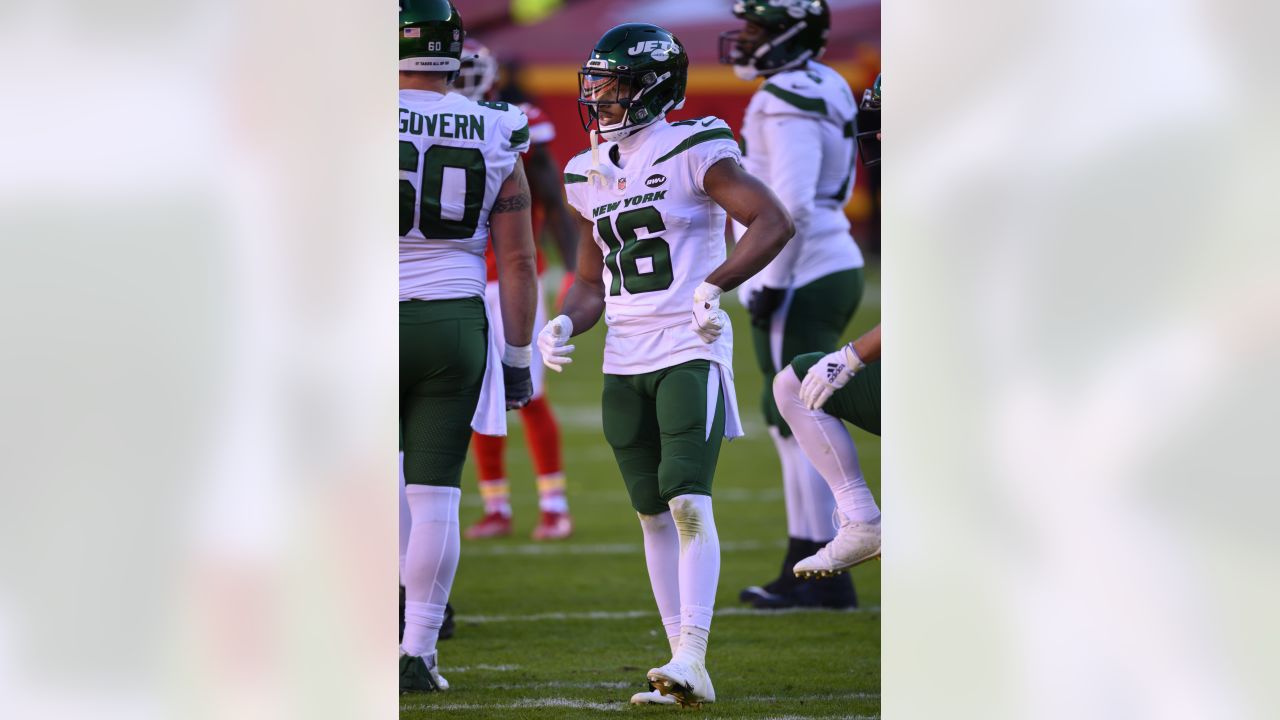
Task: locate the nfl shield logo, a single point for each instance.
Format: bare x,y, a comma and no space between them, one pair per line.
622,183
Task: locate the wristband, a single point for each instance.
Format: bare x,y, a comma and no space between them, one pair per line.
706,292
852,359
517,356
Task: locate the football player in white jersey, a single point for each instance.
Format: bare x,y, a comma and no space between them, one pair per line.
815,392
461,181
652,201
804,300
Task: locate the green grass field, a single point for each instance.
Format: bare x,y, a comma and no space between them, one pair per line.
569,629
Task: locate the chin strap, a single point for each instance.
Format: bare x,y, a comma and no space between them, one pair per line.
598,171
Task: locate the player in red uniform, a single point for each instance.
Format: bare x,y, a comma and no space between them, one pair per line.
475,81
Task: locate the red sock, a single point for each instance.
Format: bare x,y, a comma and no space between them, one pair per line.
491,472
543,436
488,450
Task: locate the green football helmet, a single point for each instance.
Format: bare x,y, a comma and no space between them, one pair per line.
640,67
431,35
790,33
869,125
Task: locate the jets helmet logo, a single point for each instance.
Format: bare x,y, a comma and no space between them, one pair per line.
797,8
658,49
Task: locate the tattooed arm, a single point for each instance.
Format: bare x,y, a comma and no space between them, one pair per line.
512,232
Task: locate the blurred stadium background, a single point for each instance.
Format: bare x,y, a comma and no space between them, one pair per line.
542,44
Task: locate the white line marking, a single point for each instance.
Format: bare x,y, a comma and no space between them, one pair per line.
530,549
618,497
818,697
489,668
556,684
633,614
531,703
557,702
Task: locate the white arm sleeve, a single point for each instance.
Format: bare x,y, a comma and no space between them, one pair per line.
795,159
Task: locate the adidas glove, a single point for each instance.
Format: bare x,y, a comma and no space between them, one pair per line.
553,343
515,375
708,319
828,375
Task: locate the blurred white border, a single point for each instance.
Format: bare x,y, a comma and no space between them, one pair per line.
1079,299
199,353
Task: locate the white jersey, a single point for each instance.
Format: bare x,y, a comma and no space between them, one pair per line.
454,156
798,138
661,235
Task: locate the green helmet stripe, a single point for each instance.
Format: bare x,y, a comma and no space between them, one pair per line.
697,139
570,178
815,105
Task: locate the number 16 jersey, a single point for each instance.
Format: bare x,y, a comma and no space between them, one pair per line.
660,235
454,156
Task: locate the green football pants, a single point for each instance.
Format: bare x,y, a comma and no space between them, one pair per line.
443,345
813,322
656,424
858,402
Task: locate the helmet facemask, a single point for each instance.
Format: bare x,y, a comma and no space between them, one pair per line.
477,75
868,122
777,37
622,95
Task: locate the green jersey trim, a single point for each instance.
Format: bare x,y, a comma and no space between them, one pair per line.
570,178
520,137
697,139
815,105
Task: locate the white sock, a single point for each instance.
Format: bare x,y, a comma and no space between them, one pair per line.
827,440
662,556
808,499
699,573
430,563
793,501
406,520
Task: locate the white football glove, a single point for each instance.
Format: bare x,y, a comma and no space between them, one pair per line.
553,343
829,375
708,319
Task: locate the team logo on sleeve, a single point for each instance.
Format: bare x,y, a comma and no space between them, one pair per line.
655,180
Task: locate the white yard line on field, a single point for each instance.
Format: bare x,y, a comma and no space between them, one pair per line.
603,548
557,702
633,614
489,668
618,495
556,684
519,704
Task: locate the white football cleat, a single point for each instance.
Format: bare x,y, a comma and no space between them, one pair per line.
688,683
652,697
854,543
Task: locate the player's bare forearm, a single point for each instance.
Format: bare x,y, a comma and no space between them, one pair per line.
584,303
545,185
868,346
511,226
753,204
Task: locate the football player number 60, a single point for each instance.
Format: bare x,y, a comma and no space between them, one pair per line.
436,161
640,265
